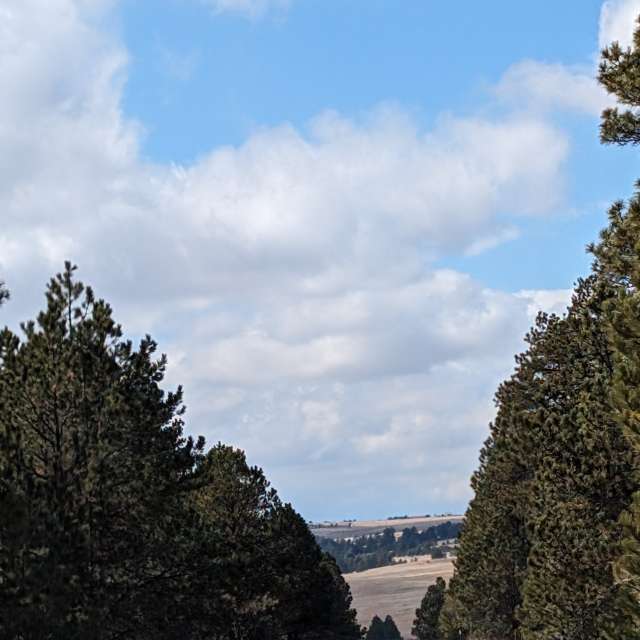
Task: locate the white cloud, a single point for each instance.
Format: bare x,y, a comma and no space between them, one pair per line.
248,8
540,87
548,300
291,278
544,87
618,20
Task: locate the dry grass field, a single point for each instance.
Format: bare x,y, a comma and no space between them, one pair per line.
396,590
370,527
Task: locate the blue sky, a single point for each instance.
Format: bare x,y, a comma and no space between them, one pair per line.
239,74
337,217
198,80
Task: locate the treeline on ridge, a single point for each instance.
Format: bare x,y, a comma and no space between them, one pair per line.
379,550
550,548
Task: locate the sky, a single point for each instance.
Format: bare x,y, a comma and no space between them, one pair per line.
338,218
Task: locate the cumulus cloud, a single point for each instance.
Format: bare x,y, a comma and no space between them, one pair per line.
549,300
618,20
545,87
292,278
537,86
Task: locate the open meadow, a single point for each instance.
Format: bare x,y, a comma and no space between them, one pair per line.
396,590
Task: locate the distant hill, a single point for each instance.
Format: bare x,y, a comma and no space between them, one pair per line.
396,590
342,529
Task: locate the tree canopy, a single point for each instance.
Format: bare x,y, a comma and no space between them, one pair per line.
115,524
426,623
550,548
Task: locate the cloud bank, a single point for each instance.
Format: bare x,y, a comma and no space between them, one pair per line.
294,278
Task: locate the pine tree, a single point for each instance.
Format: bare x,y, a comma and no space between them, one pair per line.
390,629
492,556
383,630
236,505
93,465
560,469
314,601
426,623
617,258
272,578
620,76
376,630
582,478
542,530
114,525
452,620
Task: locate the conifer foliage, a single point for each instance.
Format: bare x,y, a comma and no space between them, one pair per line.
383,629
550,548
114,524
426,624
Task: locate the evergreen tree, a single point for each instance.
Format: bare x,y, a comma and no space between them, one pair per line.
582,477
492,555
93,465
617,259
425,625
390,629
620,76
236,505
542,530
383,630
273,579
376,630
452,620
114,525
560,469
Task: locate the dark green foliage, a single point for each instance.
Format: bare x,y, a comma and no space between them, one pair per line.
452,619
583,479
542,531
83,426
620,75
376,630
491,560
368,552
274,579
391,630
383,630
556,497
114,525
236,593
426,623
4,292
314,601
618,259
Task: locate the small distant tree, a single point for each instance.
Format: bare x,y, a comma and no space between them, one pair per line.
4,292
437,553
379,630
391,630
376,630
425,625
